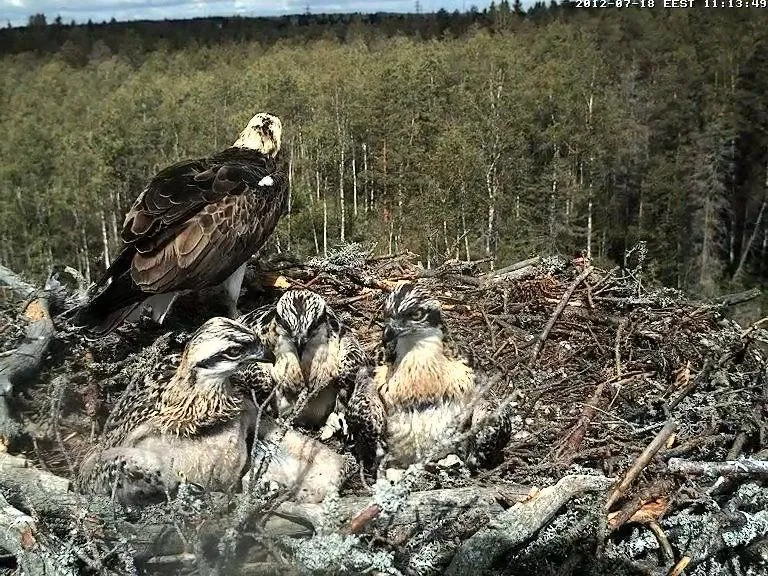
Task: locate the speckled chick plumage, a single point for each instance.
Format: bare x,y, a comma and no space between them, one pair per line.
316,356
420,398
182,421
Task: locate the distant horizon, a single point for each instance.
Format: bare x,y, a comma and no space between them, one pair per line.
18,12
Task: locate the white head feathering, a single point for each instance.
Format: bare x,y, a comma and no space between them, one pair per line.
263,133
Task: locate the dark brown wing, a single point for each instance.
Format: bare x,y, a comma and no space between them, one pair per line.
182,189
196,232
193,225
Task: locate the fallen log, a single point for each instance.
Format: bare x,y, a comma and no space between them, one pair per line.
18,286
518,524
19,536
737,297
23,364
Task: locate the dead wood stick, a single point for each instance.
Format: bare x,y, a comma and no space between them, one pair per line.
746,468
737,297
25,362
22,469
661,537
359,522
571,445
556,314
19,536
642,461
47,499
421,507
518,524
513,267
737,447
19,287
597,287
681,565
442,273
694,443
617,348
705,372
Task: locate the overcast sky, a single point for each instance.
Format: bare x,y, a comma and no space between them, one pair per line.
18,11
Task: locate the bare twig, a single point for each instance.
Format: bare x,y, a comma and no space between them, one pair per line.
617,348
666,547
359,522
514,267
681,565
25,363
642,461
571,444
556,314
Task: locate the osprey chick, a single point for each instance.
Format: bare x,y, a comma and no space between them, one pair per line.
188,421
193,226
420,398
314,353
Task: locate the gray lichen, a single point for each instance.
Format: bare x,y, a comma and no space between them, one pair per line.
334,553
347,256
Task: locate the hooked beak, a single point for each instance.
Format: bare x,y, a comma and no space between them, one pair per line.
301,343
260,353
392,332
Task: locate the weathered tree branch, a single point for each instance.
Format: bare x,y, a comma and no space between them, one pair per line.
25,362
556,314
36,492
642,461
19,287
19,536
737,297
518,524
748,467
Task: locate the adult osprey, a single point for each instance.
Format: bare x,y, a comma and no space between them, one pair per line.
195,225
421,400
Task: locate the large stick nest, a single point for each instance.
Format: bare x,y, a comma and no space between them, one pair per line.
605,376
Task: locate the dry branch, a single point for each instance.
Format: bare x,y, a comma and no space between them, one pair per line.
556,314
642,461
19,287
518,524
737,297
19,536
25,362
572,443
34,491
748,467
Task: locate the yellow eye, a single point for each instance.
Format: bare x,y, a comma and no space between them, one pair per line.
418,315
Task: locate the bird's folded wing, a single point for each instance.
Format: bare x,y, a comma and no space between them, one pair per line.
208,245
366,418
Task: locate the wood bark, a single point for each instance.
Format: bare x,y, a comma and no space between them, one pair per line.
518,524
29,489
25,362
